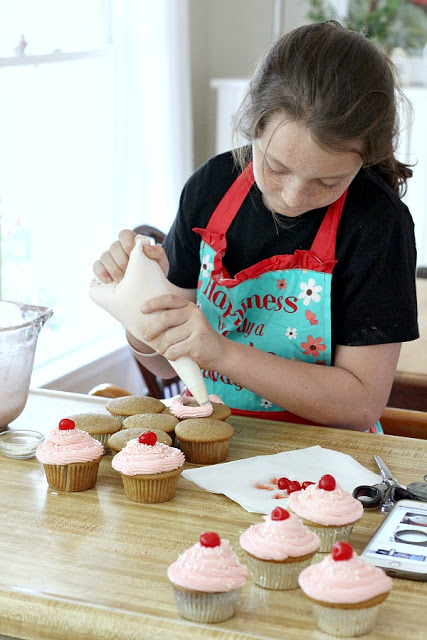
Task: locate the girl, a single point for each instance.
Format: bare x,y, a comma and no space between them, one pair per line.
295,253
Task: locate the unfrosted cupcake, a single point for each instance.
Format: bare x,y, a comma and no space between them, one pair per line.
345,590
149,469
132,405
204,440
100,426
207,580
278,549
119,440
162,421
70,458
326,509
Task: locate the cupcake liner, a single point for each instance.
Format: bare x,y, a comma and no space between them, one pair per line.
345,622
78,476
151,488
200,606
280,576
203,452
329,535
102,438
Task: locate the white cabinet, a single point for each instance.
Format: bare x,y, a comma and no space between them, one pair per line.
412,148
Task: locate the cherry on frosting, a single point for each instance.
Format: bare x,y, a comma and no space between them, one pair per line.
279,514
148,437
210,539
342,551
66,424
294,486
327,482
306,484
283,483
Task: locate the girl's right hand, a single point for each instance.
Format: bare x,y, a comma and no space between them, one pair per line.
112,264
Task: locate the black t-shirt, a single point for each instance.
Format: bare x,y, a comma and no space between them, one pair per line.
373,283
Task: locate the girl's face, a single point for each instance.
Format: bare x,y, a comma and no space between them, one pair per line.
294,174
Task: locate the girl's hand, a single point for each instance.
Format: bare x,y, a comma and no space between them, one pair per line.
112,264
180,328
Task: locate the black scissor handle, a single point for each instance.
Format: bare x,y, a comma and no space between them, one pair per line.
369,495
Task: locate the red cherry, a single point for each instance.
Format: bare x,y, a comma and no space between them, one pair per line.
66,424
283,483
148,437
306,484
279,514
294,486
342,551
327,482
210,539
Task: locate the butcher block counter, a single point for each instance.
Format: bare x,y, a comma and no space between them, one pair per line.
93,564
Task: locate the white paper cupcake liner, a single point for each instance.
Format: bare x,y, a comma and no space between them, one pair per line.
330,535
345,622
206,607
280,576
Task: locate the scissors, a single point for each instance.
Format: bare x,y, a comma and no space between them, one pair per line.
386,493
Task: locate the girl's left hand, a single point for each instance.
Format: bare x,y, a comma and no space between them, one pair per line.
180,328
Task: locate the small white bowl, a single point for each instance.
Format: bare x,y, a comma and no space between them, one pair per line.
20,444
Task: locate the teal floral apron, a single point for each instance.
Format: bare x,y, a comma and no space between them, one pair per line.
281,305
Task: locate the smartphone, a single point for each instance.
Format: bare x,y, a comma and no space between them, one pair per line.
399,546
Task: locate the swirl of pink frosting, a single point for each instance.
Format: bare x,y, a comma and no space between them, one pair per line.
137,458
344,581
212,569
279,539
325,507
180,409
66,446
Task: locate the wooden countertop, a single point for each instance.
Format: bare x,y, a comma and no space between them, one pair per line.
93,564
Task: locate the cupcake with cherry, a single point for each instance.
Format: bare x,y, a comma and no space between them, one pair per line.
149,469
70,458
207,579
326,509
278,549
346,591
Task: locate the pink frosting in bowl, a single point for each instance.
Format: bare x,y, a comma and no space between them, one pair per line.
279,539
210,569
337,507
137,458
69,446
344,581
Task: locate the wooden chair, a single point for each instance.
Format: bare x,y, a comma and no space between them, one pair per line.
157,387
404,422
409,391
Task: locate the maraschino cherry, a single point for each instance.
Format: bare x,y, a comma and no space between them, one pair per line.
279,514
66,424
327,482
148,437
342,551
283,483
210,539
294,486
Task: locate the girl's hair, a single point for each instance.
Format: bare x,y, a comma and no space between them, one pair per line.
339,85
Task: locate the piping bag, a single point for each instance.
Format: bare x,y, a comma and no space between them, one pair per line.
143,280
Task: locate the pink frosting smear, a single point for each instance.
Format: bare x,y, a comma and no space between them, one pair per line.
344,581
66,446
211,569
326,507
279,539
137,458
180,409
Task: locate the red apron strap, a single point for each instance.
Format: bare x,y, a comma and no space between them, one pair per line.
231,202
324,243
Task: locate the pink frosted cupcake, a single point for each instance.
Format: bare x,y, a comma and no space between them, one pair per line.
207,579
326,509
70,458
346,591
149,469
278,549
